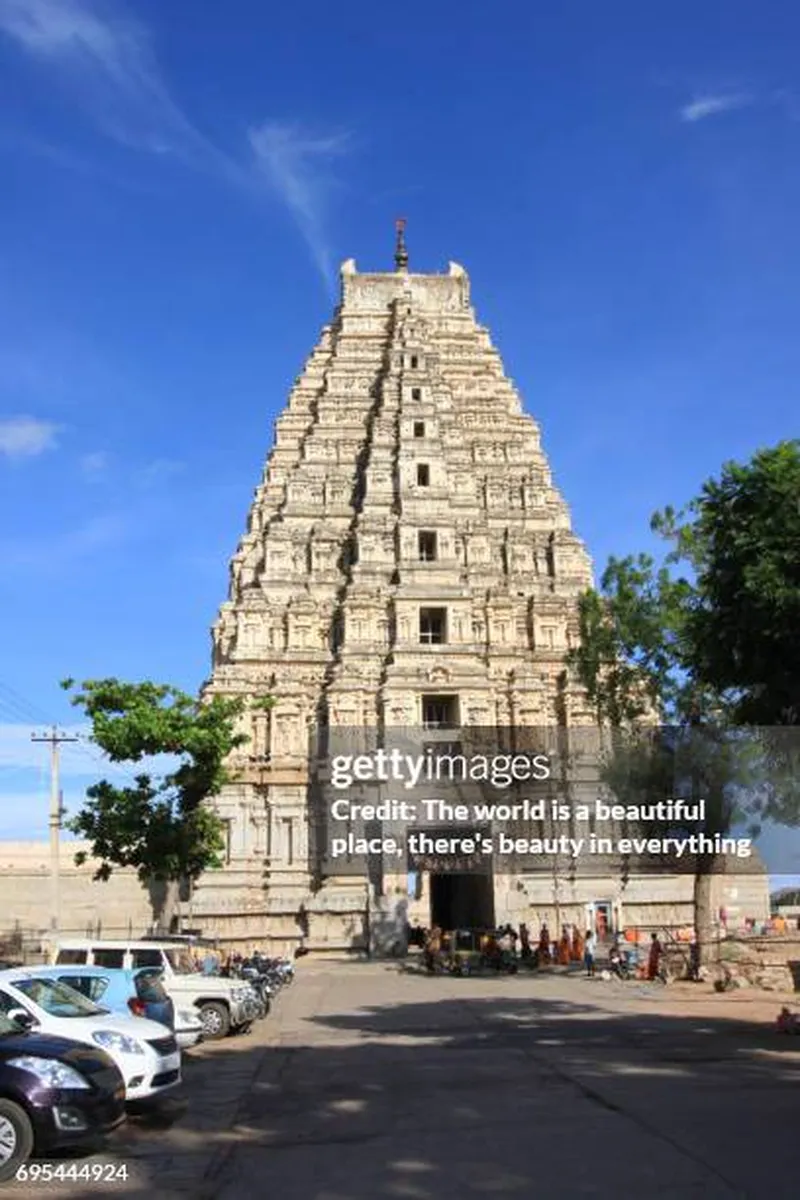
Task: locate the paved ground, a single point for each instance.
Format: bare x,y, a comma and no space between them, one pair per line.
371,1081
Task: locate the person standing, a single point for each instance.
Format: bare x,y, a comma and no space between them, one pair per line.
544,945
433,948
654,958
588,952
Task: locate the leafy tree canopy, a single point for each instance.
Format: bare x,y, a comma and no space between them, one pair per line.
711,633
704,646
741,538
157,824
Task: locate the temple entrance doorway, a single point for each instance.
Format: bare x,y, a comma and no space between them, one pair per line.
461,900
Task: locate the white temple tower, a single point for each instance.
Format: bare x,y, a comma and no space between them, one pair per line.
407,561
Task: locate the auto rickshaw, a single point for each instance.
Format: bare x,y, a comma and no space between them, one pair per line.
462,951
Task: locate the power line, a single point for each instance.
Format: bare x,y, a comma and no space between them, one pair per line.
22,710
29,710
25,712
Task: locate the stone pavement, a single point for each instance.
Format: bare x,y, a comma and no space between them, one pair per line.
372,1081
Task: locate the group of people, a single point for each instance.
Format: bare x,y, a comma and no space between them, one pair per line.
507,945
571,947
624,957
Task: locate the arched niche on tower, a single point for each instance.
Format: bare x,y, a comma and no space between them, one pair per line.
288,730
304,630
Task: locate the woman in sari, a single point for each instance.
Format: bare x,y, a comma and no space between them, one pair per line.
544,945
654,958
577,946
564,948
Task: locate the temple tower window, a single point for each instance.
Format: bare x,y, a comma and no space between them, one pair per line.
433,626
426,544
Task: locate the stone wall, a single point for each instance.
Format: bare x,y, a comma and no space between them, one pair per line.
118,908
771,962
121,907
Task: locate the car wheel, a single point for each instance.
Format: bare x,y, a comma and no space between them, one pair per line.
215,1020
16,1138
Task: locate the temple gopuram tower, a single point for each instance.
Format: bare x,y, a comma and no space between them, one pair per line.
407,561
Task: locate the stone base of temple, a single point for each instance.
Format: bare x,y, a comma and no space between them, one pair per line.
249,906
244,913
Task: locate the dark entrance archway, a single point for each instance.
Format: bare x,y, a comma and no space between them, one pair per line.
462,900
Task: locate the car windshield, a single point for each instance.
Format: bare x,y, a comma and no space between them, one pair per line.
181,960
56,999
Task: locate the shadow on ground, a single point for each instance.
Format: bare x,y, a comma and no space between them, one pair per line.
448,1095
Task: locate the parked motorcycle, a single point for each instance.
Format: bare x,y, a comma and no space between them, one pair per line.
619,963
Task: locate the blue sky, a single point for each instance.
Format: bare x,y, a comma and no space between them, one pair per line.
621,182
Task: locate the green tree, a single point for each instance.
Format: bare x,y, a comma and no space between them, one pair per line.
629,659
704,646
158,824
741,540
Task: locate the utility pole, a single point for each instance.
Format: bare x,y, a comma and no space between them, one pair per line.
54,739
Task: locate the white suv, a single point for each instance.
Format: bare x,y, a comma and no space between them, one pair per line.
223,1005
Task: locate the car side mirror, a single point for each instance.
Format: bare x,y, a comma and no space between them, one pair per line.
21,1017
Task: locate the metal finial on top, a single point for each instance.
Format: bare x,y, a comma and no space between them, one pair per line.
400,252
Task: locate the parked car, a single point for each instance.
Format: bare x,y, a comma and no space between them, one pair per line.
139,992
55,1094
145,1052
223,1005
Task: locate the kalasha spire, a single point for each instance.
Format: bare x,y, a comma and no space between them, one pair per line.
400,252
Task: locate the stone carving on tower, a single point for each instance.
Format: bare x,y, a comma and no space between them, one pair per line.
406,541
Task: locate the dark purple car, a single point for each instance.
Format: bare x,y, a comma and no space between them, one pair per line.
55,1094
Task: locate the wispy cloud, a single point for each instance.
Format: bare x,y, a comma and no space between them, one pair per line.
296,166
26,437
714,105
95,465
109,61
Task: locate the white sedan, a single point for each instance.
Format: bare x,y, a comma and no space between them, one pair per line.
146,1053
